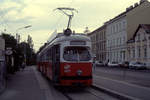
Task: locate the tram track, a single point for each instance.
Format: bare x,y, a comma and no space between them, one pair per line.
67,96
85,93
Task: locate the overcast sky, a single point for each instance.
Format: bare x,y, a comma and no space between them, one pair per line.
15,14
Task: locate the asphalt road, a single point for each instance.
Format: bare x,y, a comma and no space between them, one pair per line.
133,84
138,77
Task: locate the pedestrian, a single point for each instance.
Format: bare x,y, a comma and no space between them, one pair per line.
23,66
94,65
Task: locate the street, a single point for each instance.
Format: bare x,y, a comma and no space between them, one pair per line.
131,83
138,77
32,85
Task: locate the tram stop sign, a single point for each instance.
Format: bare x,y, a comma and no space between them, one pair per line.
8,51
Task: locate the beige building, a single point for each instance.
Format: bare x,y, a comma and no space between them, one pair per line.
138,14
139,45
98,39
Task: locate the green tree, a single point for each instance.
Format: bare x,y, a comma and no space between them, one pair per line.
29,54
10,41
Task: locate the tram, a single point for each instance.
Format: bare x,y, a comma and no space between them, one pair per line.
66,60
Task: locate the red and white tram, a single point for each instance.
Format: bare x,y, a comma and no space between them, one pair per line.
67,61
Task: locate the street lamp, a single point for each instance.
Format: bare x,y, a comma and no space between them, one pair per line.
18,36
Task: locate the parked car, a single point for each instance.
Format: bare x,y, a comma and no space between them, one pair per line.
124,64
137,65
113,64
100,63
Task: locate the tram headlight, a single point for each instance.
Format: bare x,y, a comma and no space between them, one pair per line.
79,72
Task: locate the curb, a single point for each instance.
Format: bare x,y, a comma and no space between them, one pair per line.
115,94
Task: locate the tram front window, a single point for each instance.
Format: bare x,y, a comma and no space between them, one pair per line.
76,54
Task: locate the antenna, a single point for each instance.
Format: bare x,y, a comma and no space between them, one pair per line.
64,10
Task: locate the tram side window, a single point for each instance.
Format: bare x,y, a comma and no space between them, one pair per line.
49,54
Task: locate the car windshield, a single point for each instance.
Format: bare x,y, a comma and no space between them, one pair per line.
76,54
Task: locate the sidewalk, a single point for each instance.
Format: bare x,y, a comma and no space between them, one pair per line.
23,86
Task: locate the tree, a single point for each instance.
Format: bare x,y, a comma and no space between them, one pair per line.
30,41
29,54
10,41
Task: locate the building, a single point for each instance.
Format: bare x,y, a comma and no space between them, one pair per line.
121,29
117,31
98,39
2,64
116,37
139,45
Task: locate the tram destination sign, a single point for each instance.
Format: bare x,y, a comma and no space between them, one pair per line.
77,42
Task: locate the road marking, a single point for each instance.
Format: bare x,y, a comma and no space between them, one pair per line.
133,85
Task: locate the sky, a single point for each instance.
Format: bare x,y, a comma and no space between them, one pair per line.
40,14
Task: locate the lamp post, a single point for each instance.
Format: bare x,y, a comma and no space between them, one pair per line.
18,38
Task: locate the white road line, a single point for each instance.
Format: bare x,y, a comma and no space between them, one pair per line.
132,85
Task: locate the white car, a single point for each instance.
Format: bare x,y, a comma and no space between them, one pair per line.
100,63
113,64
137,65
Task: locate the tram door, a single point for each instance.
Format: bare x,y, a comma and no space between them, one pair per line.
56,63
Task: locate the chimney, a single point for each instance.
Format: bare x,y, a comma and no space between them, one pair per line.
127,9
136,4
142,1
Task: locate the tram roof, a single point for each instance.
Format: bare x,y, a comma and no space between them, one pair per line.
60,37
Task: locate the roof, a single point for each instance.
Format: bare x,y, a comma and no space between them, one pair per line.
98,29
146,27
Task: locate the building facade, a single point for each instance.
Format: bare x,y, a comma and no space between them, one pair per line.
121,29
118,31
116,37
98,39
139,45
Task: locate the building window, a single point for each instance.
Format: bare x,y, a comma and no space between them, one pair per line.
120,40
144,37
124,24
129,53
145,52
133,53
114,29
139,52
138,37
120,26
